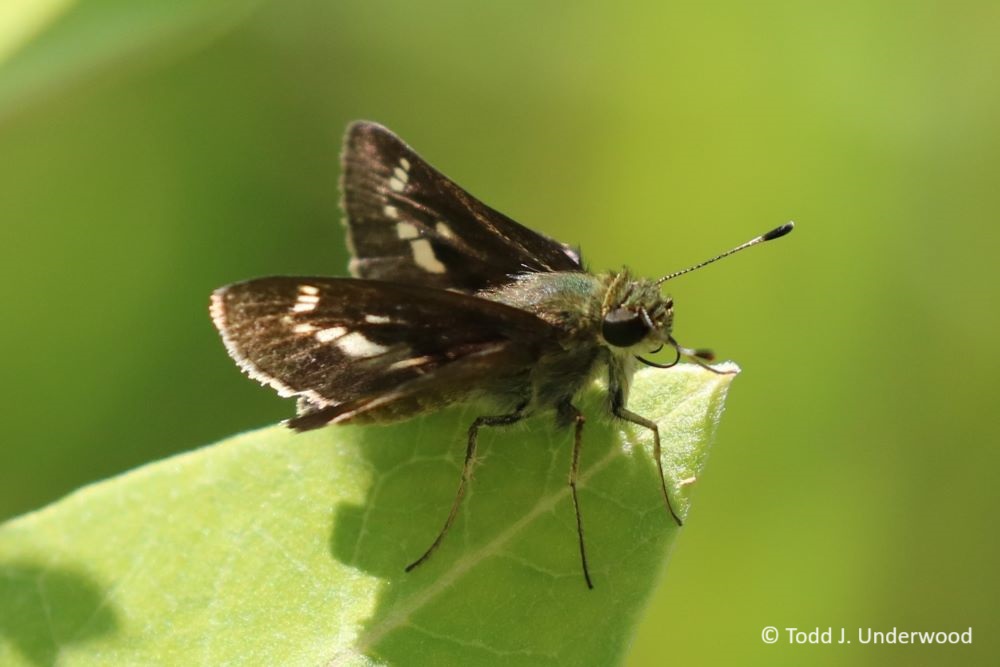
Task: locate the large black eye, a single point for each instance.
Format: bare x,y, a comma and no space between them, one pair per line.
623,327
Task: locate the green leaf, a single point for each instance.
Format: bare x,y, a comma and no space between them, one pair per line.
277,548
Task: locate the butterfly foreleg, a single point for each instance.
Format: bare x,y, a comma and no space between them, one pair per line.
569,412
470,458
620,411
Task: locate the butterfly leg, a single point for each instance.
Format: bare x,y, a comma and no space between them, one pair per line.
569,412
621,412
470,459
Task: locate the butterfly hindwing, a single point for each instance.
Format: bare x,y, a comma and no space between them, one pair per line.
409,223
345,346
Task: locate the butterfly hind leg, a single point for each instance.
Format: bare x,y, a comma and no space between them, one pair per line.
470,458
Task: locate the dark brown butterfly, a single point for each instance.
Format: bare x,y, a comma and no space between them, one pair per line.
451,301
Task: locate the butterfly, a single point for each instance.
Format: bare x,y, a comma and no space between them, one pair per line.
451,301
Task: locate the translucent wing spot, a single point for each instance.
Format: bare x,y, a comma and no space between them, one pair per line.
406,231
333,333
377,319
306,300
423,256
404,163
391,212
444,230
356,345
400,177
305,328
409,363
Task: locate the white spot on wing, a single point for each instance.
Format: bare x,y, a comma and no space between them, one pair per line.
444,230
404,163
376,319
306,299
396,185
407,230
408,363
356,345
303,328
333,333
401,174
391,212
423,256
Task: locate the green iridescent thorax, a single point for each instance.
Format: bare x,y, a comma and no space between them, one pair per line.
578,302
579,305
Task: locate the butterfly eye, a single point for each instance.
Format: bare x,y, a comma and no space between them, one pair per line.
623,327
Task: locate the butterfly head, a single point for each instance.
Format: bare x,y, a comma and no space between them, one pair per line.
636,317
638,320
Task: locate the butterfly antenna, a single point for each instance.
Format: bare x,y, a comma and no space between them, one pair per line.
775,233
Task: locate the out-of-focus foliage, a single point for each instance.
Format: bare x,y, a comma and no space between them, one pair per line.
853,483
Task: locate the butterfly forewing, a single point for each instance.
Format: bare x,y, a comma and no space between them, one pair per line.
360,344
407,222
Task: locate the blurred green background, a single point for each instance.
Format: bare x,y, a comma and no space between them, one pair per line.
151,153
